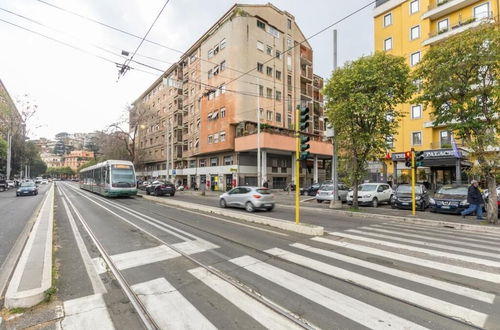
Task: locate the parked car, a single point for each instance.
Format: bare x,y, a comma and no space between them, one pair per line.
450,199
311,190
372,194
402,197
38,180
160,188
11,184
142,185
44,181
3,185
249,198
27,188
325,192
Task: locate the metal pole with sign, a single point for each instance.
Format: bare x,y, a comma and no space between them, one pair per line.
297,165
413,204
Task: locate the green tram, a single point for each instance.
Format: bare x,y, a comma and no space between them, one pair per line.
110,178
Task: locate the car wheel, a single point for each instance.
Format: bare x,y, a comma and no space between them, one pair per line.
249,207
147,192
319,201
393,206
157,192
270,208
222,203
172,194
375,202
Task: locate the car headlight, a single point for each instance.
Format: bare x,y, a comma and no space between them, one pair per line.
418,198
432,201
464,202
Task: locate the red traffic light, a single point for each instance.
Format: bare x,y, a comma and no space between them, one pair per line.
407,155
388,156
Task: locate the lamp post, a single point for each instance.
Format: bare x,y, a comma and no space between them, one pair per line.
259,160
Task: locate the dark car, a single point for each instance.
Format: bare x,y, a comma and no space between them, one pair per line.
450,199
27,188
160,188
3,185
402,197
142,185
311,190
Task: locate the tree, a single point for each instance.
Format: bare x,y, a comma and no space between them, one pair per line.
361,105
87,164
460,85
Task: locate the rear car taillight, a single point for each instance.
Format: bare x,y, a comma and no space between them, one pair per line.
256,196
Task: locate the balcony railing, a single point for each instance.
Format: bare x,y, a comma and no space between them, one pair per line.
306,90
439,8
306,72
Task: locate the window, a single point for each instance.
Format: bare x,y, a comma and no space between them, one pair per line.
443,26
278,117
272,31
388,19
289,23
278,75
269,50
415,58
415,32
289,62
222,136
216,70
269,93
210,74
222,88
445,139
482,11
278,96
210,139
192,58
269,115
289,42
261,24
222,66
210,53
214,161
416,111
203,162
216,138
216,49
260,67
414,7
223,44
222,112
388,44
261,90
260,46
390,142
269,71
228,160
278,55
416,138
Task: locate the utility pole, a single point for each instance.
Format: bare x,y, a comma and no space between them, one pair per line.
259,160
9,152
297,165
413,201
334,203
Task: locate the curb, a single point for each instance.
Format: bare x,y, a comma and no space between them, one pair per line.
305,229
40,240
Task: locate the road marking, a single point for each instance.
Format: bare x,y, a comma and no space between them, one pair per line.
368,231
452,231
143,257
258,311
442,285
168,307
192,247
86,313
355,310
100,265
485,276
412,297
419,249
97,285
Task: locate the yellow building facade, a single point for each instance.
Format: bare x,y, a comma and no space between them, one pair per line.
409,28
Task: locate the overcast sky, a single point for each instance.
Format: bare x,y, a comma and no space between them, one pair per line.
79,92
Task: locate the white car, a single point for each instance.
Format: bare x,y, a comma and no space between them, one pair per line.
45,181
372,194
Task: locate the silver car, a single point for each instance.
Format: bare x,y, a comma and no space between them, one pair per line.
325,192
249,198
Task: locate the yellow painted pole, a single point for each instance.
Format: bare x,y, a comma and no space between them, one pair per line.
297,165
413,202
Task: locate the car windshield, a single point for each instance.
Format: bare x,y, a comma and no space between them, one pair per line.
263,191
367,187
407,189
27,184
453,191
328,187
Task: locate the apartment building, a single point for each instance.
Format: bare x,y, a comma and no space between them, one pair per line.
76,158
197,123
409,28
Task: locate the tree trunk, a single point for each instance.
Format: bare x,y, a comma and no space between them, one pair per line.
492,207
355,194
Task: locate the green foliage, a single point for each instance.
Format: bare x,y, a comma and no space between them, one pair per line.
60,172
3,148
87,164
361,105
460,87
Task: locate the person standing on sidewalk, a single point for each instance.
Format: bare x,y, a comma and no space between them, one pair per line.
475,200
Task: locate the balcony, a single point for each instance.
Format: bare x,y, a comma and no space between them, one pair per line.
460,27
306,90
439,8
306,73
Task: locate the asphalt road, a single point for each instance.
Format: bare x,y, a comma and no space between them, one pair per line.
361,275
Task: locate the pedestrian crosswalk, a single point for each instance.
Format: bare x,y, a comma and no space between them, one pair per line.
381,276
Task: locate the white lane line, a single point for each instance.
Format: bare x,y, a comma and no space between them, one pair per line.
86,313
258,311
100,265
346,306
477,274
97,285
143,257
440,306
418,249
370,232
442,285
451,231
436,234
168,307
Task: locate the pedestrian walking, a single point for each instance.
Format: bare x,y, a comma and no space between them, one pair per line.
475,200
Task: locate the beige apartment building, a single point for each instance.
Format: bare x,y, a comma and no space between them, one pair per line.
197,123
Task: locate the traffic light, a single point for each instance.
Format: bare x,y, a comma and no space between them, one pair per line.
304,153
304,118
408,158
419,158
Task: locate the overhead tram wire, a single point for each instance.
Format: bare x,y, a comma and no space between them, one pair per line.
70,46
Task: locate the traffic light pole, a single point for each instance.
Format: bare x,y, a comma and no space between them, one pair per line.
297,165
413,202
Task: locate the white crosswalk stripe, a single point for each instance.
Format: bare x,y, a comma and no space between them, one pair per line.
346,306
419,249
442,285
88,312
457,232
437,305
473,273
